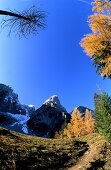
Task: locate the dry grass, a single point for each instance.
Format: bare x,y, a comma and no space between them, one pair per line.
19,151
24,152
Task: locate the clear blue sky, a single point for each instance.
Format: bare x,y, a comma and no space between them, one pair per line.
52,63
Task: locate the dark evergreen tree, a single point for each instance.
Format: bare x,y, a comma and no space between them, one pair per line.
96,98
103,115
63,126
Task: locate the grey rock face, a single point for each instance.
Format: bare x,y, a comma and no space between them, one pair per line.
6,119
13,115
82,110
53,101
8,99
43,122
9,102
48,118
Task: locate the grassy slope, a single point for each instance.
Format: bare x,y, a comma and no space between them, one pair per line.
19,151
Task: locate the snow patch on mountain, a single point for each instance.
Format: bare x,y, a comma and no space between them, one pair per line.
21,120
32,106
53,101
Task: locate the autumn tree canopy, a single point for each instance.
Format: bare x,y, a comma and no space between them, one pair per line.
98,43
79,125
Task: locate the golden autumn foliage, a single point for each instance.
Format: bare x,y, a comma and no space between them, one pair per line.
80,126
66,133
76,123
89,122
56,136
98,43
102,6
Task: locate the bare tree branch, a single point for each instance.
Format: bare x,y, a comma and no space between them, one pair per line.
30,21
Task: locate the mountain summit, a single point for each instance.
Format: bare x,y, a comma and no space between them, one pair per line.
43,122
53,101
49,118
25,119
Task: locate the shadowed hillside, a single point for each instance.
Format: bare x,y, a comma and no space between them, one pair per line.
19,151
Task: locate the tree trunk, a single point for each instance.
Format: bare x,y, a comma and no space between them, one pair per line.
14,15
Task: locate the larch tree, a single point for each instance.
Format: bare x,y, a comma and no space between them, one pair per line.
27,22
98,43
56,136
67,132
89,123
80,125
76,124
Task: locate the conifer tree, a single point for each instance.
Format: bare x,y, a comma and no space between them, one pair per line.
67,133
76,122
56,136
98,43
103,115
89,123
79,125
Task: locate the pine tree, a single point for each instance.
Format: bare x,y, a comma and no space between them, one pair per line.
64,125
98,43
103,115
96,98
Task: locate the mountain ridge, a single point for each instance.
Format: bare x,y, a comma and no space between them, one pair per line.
43,122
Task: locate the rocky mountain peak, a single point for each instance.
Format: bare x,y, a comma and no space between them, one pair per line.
82,109
53,101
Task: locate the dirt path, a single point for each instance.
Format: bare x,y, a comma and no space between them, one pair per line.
91,155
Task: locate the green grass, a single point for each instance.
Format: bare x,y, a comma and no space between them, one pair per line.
19,151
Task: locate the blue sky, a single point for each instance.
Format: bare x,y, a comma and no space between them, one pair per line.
51,63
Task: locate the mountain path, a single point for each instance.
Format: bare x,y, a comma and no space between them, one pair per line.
89,156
